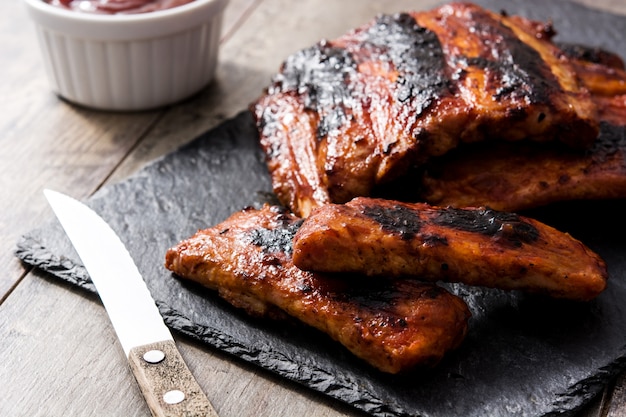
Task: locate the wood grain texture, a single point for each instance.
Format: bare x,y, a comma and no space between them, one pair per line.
46,142
65,359
60,353
612,6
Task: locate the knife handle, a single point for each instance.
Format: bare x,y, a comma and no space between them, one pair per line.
167,383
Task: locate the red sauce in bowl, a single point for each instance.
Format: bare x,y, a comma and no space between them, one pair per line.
117,6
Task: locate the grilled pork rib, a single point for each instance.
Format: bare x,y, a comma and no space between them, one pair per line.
601,72
523,175
592,55
514,177
473,246
394,325
346,115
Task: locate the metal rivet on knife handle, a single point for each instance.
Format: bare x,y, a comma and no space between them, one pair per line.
154,356
174,396
168,386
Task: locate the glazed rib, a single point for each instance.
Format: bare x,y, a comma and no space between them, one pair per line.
474,246
347,115
601,72
519,176
514,177
592,55
394,325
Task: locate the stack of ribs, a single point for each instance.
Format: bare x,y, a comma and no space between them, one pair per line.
353,116
400,153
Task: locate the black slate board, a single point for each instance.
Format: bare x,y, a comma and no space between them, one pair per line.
524,356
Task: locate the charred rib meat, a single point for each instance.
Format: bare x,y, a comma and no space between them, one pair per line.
514,177
394,325
474,246
601,72
346,115
523,175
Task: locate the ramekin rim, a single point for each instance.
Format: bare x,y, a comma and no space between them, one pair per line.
103,18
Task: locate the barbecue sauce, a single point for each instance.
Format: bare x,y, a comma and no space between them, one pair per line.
117,6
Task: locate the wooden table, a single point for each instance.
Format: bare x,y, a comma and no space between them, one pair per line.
58,352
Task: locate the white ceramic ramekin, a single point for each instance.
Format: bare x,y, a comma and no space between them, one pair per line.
129,62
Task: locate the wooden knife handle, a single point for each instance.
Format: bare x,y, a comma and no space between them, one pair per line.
167,383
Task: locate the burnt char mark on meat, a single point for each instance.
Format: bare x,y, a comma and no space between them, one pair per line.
395,219
506,227
591,54
381,296
518,69
322,75
612,139
417,55
374,294
276,240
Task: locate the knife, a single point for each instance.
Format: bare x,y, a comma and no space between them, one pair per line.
163,377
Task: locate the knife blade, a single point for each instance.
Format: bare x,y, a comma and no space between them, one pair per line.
163,377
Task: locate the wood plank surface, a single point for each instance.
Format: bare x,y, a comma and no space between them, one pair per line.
60,354
49,143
